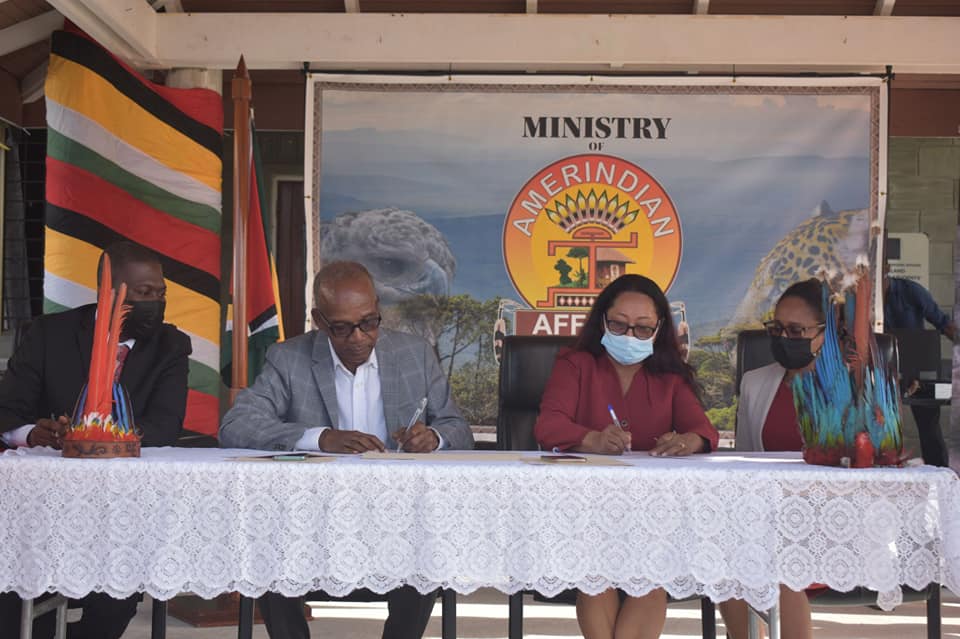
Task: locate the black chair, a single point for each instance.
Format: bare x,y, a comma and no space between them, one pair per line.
753,351
525,366
920,363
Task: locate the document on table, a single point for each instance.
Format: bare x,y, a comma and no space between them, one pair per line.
582,460
444,456
312,458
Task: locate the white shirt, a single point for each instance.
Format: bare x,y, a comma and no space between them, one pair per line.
18,436
359,403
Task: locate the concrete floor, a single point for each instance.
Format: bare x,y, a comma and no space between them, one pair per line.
483,615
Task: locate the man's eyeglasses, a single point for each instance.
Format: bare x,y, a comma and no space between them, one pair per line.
341,330
639,331
794,331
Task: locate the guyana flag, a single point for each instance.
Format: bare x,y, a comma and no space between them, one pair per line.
130,159
264,319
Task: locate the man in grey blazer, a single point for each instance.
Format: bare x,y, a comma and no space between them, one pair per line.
347,387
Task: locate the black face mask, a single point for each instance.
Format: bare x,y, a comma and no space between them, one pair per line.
144,320
793,353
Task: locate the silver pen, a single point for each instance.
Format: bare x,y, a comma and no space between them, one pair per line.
413,420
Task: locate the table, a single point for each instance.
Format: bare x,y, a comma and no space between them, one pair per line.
722,525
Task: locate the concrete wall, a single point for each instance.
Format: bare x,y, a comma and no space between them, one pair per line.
924,196
924,187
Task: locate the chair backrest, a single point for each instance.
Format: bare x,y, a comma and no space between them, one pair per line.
920,353
525,366
753,351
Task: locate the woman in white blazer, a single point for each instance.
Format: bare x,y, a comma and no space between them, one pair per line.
766,420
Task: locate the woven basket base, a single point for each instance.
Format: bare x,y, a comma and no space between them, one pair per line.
100,450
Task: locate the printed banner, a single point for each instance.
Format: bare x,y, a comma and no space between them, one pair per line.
504,205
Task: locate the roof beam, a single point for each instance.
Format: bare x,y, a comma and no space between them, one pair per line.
170,6
884,7
30,31
578,43
31,86
127,28
701,7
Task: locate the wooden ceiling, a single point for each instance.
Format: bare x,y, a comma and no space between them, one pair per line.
25,26
14,11
20,62
714,7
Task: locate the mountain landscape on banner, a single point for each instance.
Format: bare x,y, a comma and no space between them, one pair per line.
731,212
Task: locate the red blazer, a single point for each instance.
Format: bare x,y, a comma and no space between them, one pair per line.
581,386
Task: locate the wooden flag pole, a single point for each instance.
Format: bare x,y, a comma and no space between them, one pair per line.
241,215
224,610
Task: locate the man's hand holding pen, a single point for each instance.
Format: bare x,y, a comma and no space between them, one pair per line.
417,439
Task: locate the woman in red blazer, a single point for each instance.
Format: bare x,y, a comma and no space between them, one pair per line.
627,359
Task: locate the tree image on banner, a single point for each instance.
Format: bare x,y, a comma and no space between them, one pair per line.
581,277
460,327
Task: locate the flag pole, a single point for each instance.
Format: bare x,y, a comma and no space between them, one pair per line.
224,609
241,214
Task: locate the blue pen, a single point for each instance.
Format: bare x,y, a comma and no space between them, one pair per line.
613,416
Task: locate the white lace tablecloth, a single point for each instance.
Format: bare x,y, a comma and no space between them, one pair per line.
191,520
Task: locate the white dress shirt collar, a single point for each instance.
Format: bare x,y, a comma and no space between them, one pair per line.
371,361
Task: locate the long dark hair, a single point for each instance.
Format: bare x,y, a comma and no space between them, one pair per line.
666,356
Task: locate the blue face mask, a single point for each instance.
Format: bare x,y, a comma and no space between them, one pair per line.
627,349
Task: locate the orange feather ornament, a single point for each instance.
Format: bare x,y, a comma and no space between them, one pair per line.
106,336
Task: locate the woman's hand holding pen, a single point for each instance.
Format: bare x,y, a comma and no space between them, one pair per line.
417,439
673,444
612,440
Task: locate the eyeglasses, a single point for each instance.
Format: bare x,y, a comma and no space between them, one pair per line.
639,331
794,331
341,330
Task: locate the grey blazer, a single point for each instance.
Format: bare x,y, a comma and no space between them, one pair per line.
296,391
757,390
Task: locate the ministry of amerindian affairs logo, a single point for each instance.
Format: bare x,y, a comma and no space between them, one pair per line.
576,226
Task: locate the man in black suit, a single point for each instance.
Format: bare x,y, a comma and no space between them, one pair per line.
44,379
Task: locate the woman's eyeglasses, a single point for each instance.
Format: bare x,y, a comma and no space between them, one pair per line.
776,329
341,330
639,331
